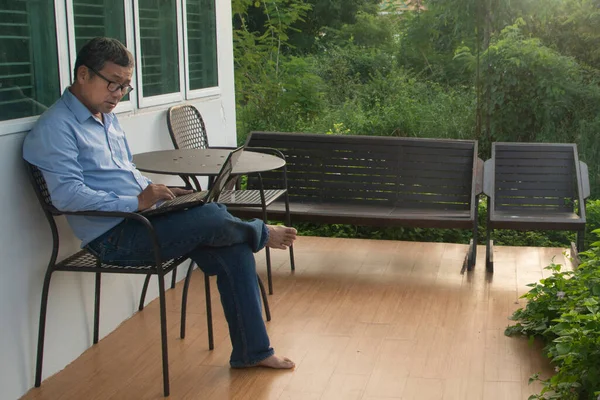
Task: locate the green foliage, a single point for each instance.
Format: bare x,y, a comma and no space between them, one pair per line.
571,27
535,93
325,18
563,309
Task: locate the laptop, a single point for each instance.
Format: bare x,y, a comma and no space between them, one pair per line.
201,197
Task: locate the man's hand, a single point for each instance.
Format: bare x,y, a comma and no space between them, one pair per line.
152,194
180,191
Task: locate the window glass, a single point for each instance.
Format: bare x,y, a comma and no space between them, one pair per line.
202,44
94,18
98,18
158,38
29,79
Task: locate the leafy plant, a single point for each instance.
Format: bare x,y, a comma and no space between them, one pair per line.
564,310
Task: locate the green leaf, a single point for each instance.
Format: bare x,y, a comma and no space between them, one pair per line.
563,348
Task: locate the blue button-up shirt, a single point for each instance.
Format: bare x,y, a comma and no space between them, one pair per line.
87,164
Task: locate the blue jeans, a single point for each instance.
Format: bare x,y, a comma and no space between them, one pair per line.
221,245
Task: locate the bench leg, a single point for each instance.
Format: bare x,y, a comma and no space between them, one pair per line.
489,245
580,241
577,248
473,248
468,258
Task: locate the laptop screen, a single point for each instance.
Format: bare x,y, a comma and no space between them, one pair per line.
224,175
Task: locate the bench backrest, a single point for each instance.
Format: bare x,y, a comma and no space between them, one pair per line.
535,177
410,173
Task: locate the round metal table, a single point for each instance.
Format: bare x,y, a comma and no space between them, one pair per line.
203,162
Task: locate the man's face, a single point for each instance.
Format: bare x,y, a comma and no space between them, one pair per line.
94,88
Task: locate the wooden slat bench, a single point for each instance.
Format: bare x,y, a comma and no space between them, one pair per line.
374,180
535,186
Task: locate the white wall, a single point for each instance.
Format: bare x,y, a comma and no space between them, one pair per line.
25,245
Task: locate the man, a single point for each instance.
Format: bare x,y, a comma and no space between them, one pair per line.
83,154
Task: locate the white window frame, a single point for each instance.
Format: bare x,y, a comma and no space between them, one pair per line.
204,92
25,124
144,102
123,106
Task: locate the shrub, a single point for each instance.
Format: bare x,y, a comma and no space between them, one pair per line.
564,310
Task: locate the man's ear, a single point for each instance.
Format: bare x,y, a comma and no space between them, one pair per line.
83,74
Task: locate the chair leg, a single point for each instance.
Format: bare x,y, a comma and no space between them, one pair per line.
174,278
97,308
144,290
163,332
292,260
42,328
184,299
211,342
264,298
269,276
264,218
288,222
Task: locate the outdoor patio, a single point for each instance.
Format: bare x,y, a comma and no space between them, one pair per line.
363,319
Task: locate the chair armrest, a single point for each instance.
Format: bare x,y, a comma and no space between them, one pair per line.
585,179
127,215
488,177
266,150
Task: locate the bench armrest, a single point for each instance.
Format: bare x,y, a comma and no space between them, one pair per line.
488,177
585,179
479,177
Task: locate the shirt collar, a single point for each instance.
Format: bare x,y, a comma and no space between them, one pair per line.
80,111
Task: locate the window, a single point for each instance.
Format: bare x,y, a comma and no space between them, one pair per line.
29,77
202,44
93,18
159,47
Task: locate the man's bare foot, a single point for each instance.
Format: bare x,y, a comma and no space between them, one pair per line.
276,362
280,237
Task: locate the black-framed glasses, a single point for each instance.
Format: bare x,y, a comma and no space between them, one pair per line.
113,86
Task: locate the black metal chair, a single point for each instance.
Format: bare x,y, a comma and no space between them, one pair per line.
83,261
187,131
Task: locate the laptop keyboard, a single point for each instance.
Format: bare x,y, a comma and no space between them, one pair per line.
186,198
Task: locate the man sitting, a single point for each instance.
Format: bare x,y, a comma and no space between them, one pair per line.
83,154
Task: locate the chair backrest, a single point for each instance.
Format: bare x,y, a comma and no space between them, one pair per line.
186,127
536,177
41,190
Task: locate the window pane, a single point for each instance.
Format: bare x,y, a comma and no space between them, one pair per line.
202,43
94,18
158,37
29,80
98,18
